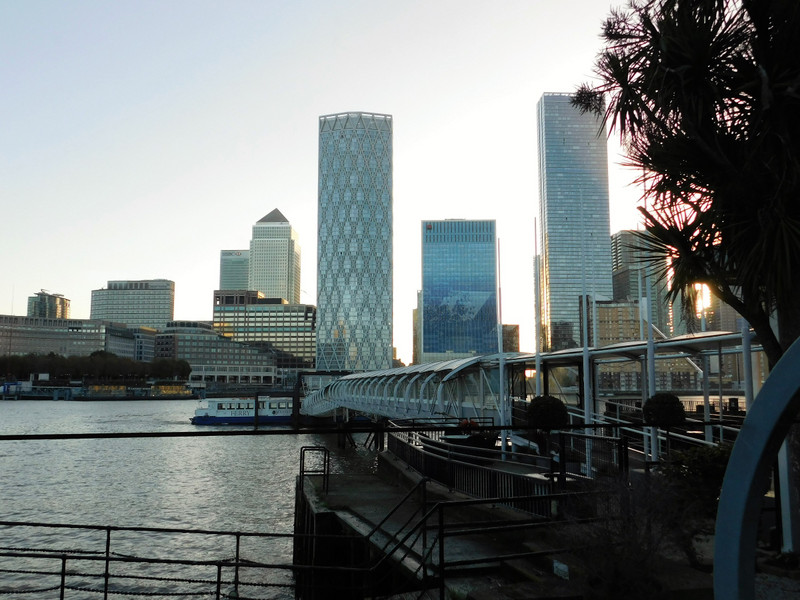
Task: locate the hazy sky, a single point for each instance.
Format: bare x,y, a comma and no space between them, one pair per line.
141,138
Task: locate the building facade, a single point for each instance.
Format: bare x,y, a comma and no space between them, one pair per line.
143,303
573,228
215,358
48,306
634,277
288,330
274,263
234,269
65,337
459,289
354,265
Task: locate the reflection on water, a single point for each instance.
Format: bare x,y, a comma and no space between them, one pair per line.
213,483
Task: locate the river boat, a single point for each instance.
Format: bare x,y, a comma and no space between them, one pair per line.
241,411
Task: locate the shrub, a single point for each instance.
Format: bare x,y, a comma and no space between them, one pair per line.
664,410
547,413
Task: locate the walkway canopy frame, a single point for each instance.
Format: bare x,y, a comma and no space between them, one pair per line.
469,387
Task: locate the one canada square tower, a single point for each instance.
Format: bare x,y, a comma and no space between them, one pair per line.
354,263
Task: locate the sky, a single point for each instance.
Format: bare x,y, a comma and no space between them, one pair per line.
141,138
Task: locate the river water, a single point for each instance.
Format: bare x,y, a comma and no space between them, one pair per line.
243,483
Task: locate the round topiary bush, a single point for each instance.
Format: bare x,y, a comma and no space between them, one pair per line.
664,410
547,413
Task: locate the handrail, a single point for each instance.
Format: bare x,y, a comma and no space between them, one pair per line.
420,484
104,555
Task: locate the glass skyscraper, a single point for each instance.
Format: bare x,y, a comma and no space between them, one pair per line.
354,264
233,269
459,289
574,239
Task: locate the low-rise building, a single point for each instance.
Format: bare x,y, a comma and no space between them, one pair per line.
66,337
215,358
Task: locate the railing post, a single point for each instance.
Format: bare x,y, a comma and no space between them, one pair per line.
441,552
562,462
236,567
106,574
63,576
219,580
424,531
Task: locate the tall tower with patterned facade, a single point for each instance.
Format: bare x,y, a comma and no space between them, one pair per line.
354,264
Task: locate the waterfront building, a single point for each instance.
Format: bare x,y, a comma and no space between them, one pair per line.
215,358
288,330
459,289
66,337
635,277
143,303
274,263
354,263
48,306
573,228
234,269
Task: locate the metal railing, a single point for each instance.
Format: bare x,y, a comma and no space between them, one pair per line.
135,561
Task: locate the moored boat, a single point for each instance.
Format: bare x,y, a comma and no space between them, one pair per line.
242,411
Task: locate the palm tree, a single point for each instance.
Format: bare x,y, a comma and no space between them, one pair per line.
705,95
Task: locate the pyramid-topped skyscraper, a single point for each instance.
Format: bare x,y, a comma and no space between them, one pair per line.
274,266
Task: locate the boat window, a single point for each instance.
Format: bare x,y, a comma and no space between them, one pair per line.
282,405
273,405
261,404
249,405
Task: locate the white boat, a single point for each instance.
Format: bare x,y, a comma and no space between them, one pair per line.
241,411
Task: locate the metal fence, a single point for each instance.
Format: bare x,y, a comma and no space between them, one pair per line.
87,561
493,473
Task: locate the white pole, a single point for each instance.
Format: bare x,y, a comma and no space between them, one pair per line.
747,366
502,402
538,320
651,363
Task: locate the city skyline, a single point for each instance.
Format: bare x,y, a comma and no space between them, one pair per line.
132,160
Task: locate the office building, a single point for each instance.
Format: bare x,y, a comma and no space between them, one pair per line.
144,303
234,269
573,228
354,265
215,358
289,331
459,289
48,306
510,338
635,276
274,263
65,337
